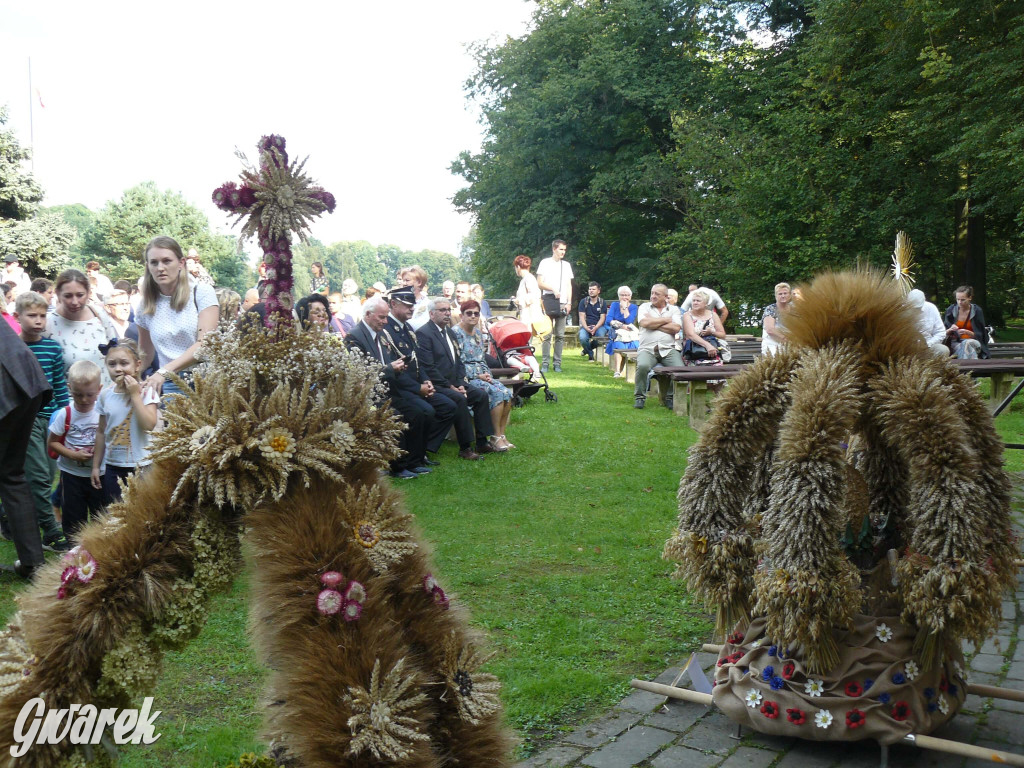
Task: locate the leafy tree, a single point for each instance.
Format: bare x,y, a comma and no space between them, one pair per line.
41,242
82,219
123,228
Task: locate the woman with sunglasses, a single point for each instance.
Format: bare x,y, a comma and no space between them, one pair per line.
471,347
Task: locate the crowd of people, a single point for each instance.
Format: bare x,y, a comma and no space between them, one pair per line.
86,361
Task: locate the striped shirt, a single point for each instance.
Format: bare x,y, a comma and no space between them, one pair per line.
51,357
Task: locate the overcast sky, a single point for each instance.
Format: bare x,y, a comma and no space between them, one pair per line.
372,92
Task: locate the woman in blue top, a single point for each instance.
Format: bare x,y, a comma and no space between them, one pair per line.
621,322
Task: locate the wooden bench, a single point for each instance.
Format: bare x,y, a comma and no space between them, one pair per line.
689,388
1002,373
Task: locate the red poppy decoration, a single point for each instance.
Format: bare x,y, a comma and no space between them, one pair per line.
770,709
853,688
796,716
943,684
854,718
900,711
788,669
735,639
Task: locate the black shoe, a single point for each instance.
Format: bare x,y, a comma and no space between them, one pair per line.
639,402
25,571
404,474
430,462
56,544
558,369
421,470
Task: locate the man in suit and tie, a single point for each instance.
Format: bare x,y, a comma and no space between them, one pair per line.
23,391
401,337
366,337
441,361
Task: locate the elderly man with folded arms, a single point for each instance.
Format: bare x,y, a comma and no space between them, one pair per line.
659,323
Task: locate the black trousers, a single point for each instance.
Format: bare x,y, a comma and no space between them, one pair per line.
445,411
418,415
469,426
15,432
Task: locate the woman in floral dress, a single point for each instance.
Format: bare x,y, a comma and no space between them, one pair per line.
471,343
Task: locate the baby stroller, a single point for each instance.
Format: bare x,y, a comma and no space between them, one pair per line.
510,343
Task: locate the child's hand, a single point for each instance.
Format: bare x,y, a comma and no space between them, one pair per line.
131,384
97,481
81,455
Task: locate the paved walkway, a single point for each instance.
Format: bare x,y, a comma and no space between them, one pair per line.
647,730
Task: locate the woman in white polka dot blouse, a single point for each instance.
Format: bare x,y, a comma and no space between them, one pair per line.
175,313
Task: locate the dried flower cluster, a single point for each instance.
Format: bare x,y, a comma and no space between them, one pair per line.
242,440
275,200
383,715
475,692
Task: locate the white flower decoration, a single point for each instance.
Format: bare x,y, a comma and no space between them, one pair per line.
278,445
959,669
911,670
823,719
342,435
943,705
754,698
756,644
201,438
814,687
883,633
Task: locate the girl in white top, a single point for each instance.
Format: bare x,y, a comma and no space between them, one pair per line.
127,414
528,296
78,326
175,314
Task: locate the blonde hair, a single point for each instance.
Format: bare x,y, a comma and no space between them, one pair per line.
230,302
418,274
27,300
83,372
150,290
783,285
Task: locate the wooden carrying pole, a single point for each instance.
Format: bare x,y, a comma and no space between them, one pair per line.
924,742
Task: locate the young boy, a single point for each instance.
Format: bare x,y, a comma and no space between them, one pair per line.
30,311
78,497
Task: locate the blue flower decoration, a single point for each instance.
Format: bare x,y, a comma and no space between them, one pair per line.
951,690
884,698
773,651
929,693
899,678
777,683
744,670
767,673
868,682
932,706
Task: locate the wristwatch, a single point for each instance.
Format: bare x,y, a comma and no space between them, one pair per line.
164,372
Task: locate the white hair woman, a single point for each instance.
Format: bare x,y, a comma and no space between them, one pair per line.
773,333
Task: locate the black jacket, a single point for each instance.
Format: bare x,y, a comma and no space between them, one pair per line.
21,376
977,318
436,359
397,382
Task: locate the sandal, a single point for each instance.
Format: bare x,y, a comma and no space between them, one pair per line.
505,442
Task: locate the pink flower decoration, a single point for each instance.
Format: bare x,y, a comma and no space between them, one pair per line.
331,579
429,583
440,598
355,592
87,569
68,574
329,602
353,610
61,593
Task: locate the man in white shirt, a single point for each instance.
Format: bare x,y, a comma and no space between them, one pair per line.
554,276
929,322
715,303
659,323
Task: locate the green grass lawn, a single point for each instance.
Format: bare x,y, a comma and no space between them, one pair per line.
555,548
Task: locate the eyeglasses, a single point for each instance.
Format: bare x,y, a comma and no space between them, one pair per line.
446,309
471,313
118,304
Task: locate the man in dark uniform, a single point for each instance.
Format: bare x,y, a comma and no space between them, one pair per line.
366,337
402,339
441,358
23,391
